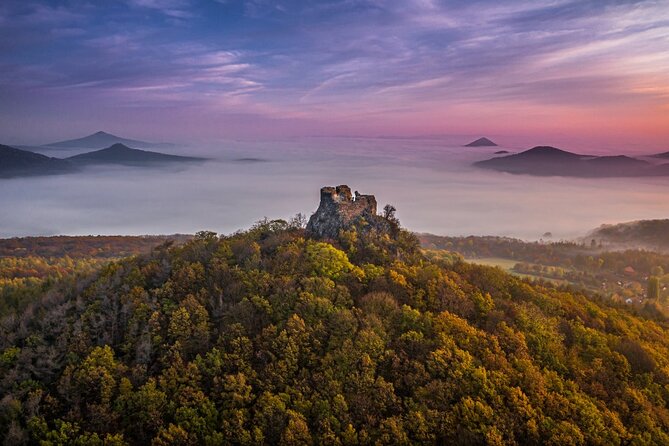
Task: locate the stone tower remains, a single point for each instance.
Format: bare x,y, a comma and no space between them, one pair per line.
338,210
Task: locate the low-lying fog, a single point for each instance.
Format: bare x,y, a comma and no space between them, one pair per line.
432,184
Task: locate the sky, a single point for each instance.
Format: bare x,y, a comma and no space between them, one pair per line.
574,72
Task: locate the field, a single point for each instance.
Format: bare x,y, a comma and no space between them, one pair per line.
508,264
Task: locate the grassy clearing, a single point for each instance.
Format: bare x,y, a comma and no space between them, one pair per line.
508,264
505,264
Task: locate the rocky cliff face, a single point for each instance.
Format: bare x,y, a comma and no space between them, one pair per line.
339,209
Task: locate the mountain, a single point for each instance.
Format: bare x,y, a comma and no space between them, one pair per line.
664,155
502,152
647,234
276,336
17,162
619,165
550,161
481,142
549,153
101,140
124,155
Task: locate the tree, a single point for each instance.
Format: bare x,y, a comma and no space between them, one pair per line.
299,221
173,436
653,290
268,337
326,260
389,212
296,432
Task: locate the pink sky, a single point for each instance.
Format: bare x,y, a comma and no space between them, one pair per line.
575,74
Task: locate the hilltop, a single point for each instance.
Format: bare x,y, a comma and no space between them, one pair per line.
16,162
122,154
276,335
339,210
101,140
481,142
649,234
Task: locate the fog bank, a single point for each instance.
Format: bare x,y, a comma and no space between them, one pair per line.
430,182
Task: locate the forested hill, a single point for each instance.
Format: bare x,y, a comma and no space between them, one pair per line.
650,234
271,337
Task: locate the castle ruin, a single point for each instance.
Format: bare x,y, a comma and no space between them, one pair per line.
339,209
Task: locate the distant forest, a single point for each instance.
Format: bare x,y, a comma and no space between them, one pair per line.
619,275
100,246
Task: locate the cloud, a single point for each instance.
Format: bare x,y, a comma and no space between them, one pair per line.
178,9
328,59
46,14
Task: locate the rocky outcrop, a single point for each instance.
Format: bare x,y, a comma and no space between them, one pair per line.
339,209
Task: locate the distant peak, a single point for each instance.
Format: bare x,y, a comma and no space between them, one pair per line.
118,146
101,133
481,142
545,150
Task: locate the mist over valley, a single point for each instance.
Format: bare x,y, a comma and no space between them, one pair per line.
432,182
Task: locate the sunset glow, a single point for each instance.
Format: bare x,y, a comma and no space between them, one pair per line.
592,74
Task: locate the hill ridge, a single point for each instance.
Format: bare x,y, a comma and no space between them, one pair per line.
119,153
101,139
551,161
17,162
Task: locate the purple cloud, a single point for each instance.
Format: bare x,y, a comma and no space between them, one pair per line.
334,64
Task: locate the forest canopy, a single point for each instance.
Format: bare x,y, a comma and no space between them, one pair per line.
271,337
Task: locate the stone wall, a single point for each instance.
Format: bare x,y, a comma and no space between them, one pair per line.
338,209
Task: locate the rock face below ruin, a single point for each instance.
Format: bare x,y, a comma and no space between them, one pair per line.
339,209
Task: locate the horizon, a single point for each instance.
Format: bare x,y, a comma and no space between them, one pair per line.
519,144
559,73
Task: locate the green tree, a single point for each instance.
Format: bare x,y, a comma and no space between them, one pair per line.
653,290
326,260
